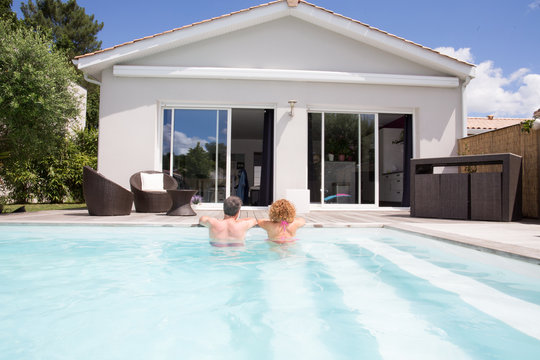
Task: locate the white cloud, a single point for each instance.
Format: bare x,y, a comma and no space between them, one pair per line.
463,54
182,142
491,92
534,5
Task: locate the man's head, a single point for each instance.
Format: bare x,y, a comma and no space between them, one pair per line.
232,205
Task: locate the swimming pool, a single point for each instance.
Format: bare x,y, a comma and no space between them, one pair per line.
70,292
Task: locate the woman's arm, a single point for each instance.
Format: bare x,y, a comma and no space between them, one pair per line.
264,223
298,223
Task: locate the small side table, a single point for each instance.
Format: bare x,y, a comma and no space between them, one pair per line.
181,202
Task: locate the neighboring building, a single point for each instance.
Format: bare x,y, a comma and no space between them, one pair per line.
79,123
478,125
296,98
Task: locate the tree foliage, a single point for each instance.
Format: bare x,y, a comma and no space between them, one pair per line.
73,31
5,11
198,163
36,102
37,105
57,177
92,105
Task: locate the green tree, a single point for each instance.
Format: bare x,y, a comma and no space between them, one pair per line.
92,105
55,177
73,31
198,163
5,11
36,102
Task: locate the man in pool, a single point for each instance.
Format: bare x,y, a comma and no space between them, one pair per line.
230,231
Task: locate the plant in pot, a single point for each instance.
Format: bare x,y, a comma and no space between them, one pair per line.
342,148
330,146
196,199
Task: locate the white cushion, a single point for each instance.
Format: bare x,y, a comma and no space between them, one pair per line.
152,182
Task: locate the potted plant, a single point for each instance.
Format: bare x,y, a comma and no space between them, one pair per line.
342,148
196,199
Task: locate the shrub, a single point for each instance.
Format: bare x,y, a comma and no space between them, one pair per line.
54,178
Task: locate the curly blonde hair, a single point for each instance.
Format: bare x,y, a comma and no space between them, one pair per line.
282,210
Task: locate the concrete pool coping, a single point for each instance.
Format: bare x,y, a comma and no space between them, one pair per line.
519,239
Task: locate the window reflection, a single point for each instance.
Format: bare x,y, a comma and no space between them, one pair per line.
344,146
198,150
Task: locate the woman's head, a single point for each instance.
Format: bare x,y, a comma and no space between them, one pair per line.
282,210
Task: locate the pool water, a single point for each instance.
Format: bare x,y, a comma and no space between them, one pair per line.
70,292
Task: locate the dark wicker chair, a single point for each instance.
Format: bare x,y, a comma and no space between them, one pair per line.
152,201
104,197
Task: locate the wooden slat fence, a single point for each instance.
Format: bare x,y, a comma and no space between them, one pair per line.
511,139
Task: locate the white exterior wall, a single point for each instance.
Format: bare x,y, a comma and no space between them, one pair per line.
130,118
130,113
287,43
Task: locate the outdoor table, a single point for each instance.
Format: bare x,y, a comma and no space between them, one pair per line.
181,202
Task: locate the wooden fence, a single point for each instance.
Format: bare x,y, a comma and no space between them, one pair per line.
511,139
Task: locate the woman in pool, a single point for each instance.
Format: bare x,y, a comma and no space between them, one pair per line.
282,225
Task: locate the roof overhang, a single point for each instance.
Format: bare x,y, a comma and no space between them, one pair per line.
214,73
94,64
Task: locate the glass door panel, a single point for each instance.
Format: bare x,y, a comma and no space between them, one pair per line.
167,130
367,159
197,140
341,158
314,156
221,156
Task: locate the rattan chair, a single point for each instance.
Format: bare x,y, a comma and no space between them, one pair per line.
104,197
152,201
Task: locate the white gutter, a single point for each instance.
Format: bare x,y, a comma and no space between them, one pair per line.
92,81
282,75
464,115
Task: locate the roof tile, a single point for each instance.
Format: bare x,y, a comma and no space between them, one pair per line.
492,124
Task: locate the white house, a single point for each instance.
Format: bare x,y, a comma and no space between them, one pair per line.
276,100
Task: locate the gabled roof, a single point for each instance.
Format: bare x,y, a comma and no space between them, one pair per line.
94,63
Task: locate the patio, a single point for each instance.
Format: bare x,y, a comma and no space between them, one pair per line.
519,239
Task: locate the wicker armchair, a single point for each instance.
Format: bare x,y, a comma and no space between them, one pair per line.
104,197
152,201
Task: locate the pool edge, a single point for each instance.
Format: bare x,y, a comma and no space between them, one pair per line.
506,250
501,249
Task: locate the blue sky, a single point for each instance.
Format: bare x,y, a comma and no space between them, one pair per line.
501,36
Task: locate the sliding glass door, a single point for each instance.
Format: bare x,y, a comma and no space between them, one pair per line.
195,150
341,158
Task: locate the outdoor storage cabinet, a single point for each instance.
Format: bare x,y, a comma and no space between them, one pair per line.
470,195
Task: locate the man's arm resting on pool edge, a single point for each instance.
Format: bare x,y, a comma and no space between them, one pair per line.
205,221
248,222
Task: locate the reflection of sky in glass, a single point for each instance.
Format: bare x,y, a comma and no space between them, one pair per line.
192,127
167,131
222,126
